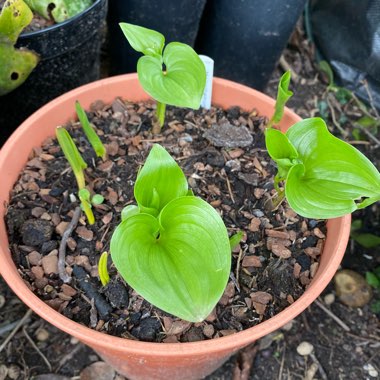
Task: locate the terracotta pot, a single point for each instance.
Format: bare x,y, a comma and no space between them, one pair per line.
134,359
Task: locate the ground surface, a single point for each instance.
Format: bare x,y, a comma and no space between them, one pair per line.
338,353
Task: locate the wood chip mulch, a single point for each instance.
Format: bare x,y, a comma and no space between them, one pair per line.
271,268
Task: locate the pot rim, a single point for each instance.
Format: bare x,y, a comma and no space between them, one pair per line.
104,341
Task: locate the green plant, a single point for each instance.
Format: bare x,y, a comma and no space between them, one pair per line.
16,64
174,76
58,10
77,163
324,176
102,269
173,247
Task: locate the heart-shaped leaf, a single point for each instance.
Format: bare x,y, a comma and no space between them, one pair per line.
159,181
332,173
181,84
179,262
143,40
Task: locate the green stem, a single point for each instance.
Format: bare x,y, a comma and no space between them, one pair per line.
86,206
160,113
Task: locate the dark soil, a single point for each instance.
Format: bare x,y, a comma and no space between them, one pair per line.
340,354
222,154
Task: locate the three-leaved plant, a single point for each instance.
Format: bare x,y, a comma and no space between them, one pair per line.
324,176
172,247
172,76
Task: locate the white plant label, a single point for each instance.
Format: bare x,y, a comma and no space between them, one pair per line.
209,65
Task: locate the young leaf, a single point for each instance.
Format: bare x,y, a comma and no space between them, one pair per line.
366,240
179,262
72,155
129,211
143,40
183,82
102,269
85,196
235,239
92,137
283,95
97,199
330,174
159,181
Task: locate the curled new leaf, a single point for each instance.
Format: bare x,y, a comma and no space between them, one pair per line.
102,269
159,181
91,135
179,262
283,95
72,155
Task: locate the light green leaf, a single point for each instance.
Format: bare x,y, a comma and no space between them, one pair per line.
14,17
143,40
179,262
72,155
331,176
283,95
235,239
84,194
15,68
159,181
183,82
129,211
91,135
97,199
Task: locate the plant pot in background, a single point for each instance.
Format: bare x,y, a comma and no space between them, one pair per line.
246,38
69,57
177,20
136,359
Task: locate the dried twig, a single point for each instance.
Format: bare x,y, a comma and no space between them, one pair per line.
68,356
30,340
370,97
369,134
332,315
230,189
320,368
342,131
282,364
17,327
62,247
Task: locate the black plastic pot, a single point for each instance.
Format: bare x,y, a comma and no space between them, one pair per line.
69,57
177,20
246,38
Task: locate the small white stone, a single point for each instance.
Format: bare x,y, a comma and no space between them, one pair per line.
329,299
305,348
73,198
288,326
371,370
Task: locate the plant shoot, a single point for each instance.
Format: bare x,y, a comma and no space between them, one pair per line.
174,75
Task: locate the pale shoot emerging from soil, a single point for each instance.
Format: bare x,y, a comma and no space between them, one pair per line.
78,165
324,177
102,269
91,135
173,247
175,76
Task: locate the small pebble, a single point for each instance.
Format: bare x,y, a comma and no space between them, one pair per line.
84,233
329,299
98,370
50,264
2,301
73,198
371,370
34,258
42,335
305,348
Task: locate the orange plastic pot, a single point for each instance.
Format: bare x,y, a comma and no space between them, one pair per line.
134,359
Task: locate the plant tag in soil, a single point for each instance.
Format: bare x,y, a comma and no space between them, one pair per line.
209,66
